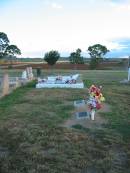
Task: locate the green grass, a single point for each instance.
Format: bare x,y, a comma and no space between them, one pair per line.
32,139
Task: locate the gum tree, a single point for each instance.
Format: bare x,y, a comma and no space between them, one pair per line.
96,53
4,42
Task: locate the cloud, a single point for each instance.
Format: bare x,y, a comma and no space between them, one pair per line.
121,49
52,4
119,1
56,5
120,5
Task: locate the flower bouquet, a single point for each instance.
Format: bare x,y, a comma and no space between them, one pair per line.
95,99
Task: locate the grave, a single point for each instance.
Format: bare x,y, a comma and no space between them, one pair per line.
81,109
70,81
82,115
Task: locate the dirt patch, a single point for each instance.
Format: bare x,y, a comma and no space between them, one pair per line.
88,123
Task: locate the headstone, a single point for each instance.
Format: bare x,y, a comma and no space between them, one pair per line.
79,103
24,74
29,73
129,69
17,83
38,72
129,74
5,85
82,115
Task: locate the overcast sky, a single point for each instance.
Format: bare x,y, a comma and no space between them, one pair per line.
38,26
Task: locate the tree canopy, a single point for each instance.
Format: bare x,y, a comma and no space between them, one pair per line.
3,39
76,58
96,53
12,50
51,57
5,48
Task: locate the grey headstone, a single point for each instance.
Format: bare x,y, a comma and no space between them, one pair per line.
5,87
82,115
79,103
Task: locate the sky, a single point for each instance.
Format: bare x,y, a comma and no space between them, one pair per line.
38,26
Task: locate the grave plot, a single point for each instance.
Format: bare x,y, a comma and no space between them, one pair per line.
81,110
70,81
81,116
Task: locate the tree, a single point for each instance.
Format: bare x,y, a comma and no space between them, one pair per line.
6,49
76,58
96,53
12,50
51,57
4,42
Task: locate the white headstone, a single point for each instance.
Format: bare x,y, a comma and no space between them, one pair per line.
17,82
129,74
24,74
29,73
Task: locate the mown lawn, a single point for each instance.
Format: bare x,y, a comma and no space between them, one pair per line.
33,140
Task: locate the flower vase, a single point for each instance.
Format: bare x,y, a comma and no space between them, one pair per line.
92,114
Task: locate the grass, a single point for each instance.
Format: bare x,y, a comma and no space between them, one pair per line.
32,139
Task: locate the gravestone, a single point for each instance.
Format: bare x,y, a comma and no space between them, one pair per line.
17,83
79,103
5,85
82,110
38,70
29,73
129,69
82,115
128,74
24,74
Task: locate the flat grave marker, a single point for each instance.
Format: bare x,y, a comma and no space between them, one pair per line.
82,115
79,103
